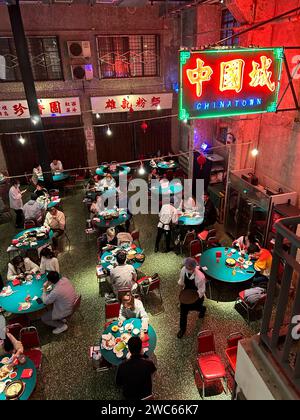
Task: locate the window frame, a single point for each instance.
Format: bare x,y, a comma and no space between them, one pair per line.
59,54
157,40
228,23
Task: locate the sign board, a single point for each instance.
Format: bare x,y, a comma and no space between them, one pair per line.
221,83
51,107
131,103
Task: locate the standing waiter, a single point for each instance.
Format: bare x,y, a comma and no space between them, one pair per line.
191,279
168,216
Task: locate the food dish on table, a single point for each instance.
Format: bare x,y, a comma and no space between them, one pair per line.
14,389
231,262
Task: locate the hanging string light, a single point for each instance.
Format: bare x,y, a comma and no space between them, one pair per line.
142,170
98,116
108,131
158,107
21,139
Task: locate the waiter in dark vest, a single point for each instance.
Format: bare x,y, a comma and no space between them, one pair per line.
192,283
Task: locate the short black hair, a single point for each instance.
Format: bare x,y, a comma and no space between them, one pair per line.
135,345
121,257
252,238
33,197
53,277
47,252
17,260
253,248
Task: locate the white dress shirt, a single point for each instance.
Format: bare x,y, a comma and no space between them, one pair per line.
167,215
137,312
55,222
56,167
104,183
199,278
15,198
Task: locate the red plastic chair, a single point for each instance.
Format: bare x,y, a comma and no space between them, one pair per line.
76,307
209,364
112,311
32,347
231,350
196,250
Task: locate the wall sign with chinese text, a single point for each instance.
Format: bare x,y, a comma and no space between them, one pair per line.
131,103
218,83
54,107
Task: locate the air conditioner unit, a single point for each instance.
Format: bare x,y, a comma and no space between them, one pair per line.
82,72
79,49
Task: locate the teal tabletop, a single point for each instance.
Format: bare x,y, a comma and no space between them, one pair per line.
39,243
58,177
123,217
34,289
121,170
105,263
190,221
171,189
110,356
220,271
167,165
53,203
30,383
91,195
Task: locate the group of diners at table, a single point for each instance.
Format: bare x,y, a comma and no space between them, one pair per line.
135,369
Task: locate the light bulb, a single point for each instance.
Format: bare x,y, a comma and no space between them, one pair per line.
158,107
109,132
97,115
21,140
185,121
142,170
34,120
254,152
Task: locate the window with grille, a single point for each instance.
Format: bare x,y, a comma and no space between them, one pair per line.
128,56
228,23
44,57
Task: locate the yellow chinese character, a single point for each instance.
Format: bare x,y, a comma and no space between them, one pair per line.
232,73
261,76
199,75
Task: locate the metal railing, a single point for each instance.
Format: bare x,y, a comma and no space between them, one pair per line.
280,332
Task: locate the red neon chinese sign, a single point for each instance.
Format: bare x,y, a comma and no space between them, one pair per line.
216,83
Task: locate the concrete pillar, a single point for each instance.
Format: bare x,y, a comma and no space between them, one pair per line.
87,119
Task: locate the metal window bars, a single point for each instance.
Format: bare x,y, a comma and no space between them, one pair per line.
279,331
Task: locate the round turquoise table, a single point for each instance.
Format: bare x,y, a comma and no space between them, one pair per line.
121,170
167,165
106,264
172,189
53,203
220,271
110,356
12,303
123,217
190,221
62,176
30,383
39,243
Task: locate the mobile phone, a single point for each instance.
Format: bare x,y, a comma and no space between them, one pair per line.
39,301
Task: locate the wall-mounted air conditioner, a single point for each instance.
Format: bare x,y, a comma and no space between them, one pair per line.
79,49
82,71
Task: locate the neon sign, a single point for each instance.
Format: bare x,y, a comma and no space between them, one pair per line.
219,83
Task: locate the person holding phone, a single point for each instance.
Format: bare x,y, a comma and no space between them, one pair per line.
16,202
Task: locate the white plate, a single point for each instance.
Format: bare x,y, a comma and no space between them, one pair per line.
120,355
129,327
2,387
136,331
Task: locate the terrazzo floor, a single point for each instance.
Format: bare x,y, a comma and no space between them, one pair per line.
67,371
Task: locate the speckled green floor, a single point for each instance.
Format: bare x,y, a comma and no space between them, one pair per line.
67,372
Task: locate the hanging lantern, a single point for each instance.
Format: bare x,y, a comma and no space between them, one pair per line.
144,126
201,160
